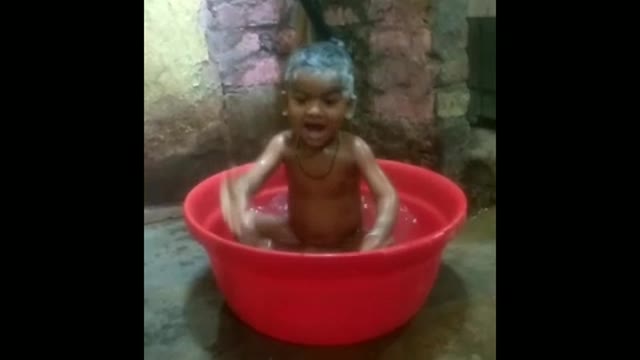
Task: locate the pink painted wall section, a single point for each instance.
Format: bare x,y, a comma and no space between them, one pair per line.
240,35
243,13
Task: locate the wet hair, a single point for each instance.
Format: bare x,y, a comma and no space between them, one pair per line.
326,59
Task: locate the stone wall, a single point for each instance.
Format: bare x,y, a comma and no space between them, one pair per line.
390,41
212,74
468,151
479,178
449,56
241,39
481,8
210,77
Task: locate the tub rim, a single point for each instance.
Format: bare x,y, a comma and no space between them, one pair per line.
204,236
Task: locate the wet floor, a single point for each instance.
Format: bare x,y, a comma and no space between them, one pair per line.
185,317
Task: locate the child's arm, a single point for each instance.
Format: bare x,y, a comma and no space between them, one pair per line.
236,193
386,197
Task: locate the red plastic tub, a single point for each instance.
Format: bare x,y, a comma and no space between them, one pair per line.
331,299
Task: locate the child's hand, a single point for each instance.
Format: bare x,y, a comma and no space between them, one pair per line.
239,220
372,242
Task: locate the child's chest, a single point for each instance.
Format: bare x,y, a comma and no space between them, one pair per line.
322,175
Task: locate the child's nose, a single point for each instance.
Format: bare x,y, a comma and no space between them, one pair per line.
313,109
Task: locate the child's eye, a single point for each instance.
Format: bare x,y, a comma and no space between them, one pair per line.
331,101
299,100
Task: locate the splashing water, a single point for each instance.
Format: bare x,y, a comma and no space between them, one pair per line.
406,222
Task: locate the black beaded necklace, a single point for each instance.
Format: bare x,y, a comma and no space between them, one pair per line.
333,160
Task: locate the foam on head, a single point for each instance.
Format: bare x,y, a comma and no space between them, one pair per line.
328,60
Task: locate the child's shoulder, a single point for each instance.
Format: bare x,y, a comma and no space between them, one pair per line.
354,141
358,148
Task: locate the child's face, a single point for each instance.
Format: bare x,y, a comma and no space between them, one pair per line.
316,109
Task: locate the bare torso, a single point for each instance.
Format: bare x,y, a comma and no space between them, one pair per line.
324,205
324,193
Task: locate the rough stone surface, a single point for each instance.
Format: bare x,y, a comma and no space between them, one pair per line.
408,14
340,16
244,45
395,112
452,101
390,42
479,173
245,57
186,317
454,71
482,8
399,140
181,148
469,158
399,106
448,56
253,116
450,28
240,14
454,134
449,42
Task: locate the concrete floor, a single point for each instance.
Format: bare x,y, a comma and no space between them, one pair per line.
185,317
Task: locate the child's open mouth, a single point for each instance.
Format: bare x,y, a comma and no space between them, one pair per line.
314,131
